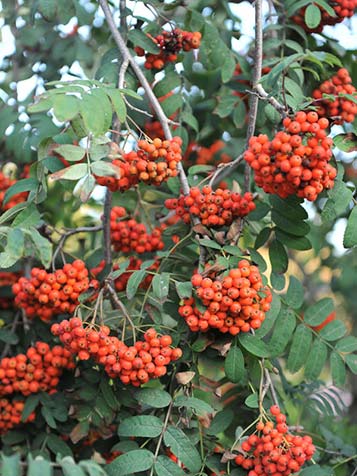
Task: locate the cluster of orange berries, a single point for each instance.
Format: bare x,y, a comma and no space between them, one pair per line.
295,162
153,163
49,294
5,183
197,154
7,278
170,44
213,207
121,281
37,370
134,365
129,235
273,450
11,414
343,9
234,303
340,108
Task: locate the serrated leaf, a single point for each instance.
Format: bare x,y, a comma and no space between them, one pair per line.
206,242
200,406
139,38
58,446
143,426
316,470
254,345
252,401
312,16
25,185
171,104
42,246
291,241
184,290
30,404
351,361
65,107
234,364
290,225
278,257
72,153
27,218
338,369
47,8
160,286
153,397
347,344
104,169
283,330
346,142
350,236
10,465
333,330
96,111
164,466
171,81
182,447
131,462
299,348
221,421
270,317
316,360
73,172
317,313
118,104
134,282
295,293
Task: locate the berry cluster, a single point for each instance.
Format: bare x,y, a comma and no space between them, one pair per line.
134,365
295,162
340,109
170,44
121,281
199,155
213,207
234,303
48,294
37,370
11,414
343,9
5,183
7,279
129,235
153,163
272,450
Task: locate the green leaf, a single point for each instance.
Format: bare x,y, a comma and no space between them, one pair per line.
70,468
65,107
228,68
283,330
96,111
350,236
131,462
221,421
347,344
181,446
39,466
47,415
200,406
240,114
254,345
299,348
338,369
252,401
351,361
316,360
24,185
234,364
295,293
139,38
334,330
312,16
9,214
8,336
48,9
270,317
73,172
143,426
104,169
10,465
225,105
42,246
317,313
294,242
184,290
290,225
171,81
72,153
316,470
164,466
160,286
346,142
58,446
206,242
153,397
171,104
27,218
278,257
134,282
118,104
339,199
92,468
30,404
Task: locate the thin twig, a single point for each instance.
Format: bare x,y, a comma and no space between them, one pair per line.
106,227
262,94
164,428
119,305
271,387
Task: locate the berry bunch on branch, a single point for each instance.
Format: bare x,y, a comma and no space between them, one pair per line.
234,302
48,294
170,44
272,450
127,235
338,109
133,365
213,207
296,160
152,163
37,370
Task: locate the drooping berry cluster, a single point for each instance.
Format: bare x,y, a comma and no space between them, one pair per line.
296,161
7,279
129,235
5,183
11,414
343,9
234,303
272,450
213,207
170,44
49,294
134,365
121,281
341,109
153,163
197,154
37,370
